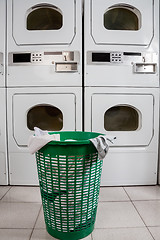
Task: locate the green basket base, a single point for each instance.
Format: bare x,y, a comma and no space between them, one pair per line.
70,235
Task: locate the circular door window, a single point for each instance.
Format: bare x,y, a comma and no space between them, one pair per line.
121,118
44,18
121,17
45,117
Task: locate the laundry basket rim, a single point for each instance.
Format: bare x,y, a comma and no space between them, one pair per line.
74,137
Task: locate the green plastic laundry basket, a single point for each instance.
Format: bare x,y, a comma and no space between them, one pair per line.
69,174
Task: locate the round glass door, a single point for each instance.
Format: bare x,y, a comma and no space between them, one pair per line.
44,18
121,118
122,18
45,117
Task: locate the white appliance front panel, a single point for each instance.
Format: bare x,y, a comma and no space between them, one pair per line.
42,76
22,103
132,167
23,36
143,36
114,75
123,164
23,169
3,147
2,119
2,41
142,103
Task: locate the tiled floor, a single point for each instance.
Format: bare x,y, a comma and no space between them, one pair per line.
124,213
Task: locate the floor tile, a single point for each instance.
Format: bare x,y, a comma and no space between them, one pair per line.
117,214
144,193
121,234
117,217
3,190
23,194
15,234
40,221
18,215
149,211
155,232
41,234
112,194
88,237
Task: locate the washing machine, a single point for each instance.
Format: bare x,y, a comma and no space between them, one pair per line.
54,109
132,116
121,43
44,43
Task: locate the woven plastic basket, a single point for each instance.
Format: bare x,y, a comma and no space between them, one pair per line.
69,176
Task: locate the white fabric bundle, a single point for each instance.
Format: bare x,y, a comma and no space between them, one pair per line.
40,139
101,144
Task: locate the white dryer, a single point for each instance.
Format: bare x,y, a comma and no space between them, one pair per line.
122,85
53,109
121,43
44,43
44,81
133,117
3,147
2,41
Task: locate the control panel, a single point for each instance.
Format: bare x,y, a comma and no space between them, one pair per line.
62,61
141,62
